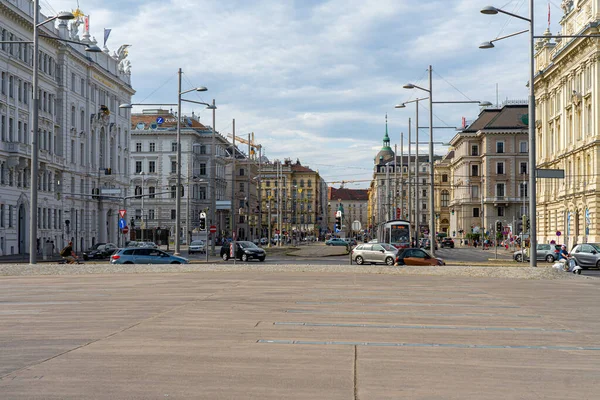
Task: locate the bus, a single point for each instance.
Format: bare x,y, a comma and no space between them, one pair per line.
395,232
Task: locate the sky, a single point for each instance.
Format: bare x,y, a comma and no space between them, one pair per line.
313,79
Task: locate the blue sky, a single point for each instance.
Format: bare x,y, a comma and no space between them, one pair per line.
314,79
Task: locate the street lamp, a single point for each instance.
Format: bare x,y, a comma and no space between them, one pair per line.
143,174
489,10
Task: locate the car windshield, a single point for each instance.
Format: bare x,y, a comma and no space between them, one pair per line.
596,246
196,243
247,245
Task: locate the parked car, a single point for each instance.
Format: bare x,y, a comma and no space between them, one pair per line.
414,256
447,242
264,241
350,241
586,255
545,252
145,255
336,242
99,251
374,253
426,244
197,246
244,251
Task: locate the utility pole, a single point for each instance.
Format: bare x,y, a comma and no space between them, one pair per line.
233,223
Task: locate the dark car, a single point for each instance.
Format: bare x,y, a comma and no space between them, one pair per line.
414,256
244,251
447,242
426,244
99,251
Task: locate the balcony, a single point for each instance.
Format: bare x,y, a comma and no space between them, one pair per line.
16,147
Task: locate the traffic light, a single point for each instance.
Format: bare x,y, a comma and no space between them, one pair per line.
498,226
527,224
202,221
108,171
338,223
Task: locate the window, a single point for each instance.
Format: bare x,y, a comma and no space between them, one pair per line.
151,191
138,167
202,149
82,121
151,167
444,178
173,167
151,214
445,198
82,87
174,146
523,168
501,211
268,183
1,215
73,116
173,214
242,187
523,147
242,172
523,189
202,168
138,147
173,191
73,82
499,147
500,168
424,194
10,86
474,150
202,193
152,147
475,212
474,170
138,191
500,189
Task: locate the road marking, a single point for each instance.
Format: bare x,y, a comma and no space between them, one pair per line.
449,327
444,345
409,313
401,304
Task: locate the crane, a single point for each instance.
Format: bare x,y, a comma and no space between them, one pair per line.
253,145
342,183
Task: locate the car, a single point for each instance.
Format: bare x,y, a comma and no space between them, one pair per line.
414,256
426,244
586,255
99,251
447,242
545,252
264,241
197,246
244,251
401,245
336,242
374,253
350,241
145,255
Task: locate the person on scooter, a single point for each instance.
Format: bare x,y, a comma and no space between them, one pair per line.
563,254
68,254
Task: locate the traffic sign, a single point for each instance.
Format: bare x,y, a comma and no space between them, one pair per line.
122,213
213,229
558,233
122,223
160,120
125,230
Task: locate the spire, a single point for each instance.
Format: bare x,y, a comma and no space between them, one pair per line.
386,138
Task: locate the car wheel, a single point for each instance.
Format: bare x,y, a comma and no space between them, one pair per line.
578,272
175,262
519,258
261,259
549,258
244,257
359,260
225,256
389,261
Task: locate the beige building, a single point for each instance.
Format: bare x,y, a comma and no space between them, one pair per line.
567,128
488,172
354,206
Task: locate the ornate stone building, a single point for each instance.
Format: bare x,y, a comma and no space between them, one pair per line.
354,203
566,86
83,136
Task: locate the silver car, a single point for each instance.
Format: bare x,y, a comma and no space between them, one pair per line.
586,255
374,253
197,246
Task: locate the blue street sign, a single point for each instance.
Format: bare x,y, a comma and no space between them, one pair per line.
122,223
160,120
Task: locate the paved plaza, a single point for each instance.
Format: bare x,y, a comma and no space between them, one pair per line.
297,335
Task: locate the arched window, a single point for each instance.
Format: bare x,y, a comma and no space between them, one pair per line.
309,183
138,190
301,183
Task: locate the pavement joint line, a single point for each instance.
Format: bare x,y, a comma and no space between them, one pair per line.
294,311
401,304
448,327
160,314
444,345
412,297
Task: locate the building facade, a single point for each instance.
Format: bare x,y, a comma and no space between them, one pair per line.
153,166
354,206
488,172
83,136
567,85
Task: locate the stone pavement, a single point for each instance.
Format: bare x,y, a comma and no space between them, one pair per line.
256,335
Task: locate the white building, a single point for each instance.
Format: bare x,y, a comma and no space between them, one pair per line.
153,167
81,134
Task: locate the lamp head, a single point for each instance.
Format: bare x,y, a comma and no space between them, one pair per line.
489,10
409,86
201,89
92,48
400,105
65,15
484,104
126,105
211,107
486,45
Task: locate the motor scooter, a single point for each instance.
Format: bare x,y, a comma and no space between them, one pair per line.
568,265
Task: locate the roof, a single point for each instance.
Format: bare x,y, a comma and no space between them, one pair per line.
347,194
301,168
170,121
486,115
510,116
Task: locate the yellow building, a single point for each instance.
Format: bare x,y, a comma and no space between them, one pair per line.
567,137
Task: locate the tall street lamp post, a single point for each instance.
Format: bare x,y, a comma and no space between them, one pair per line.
33,217
489,10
